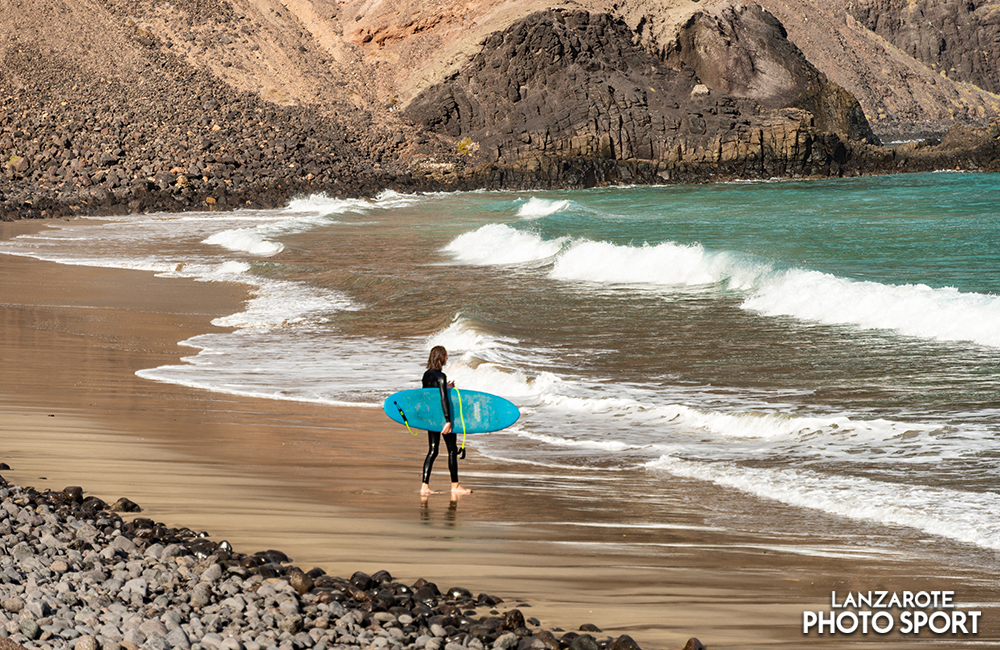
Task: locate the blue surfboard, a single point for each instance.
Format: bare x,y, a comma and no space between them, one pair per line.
420,408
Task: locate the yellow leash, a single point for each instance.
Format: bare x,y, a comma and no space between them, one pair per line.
462,416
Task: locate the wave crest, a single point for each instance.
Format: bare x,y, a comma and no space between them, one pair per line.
535,208
917,310
501,244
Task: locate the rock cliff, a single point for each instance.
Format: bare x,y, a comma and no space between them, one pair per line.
904,98
961,40
562,92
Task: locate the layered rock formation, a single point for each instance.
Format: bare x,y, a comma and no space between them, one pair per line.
958,39
903,98
562,92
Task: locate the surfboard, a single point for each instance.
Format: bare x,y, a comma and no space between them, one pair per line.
420,408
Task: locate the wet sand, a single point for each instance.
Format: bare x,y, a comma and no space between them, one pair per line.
337,487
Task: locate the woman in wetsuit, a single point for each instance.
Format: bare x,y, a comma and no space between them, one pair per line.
434,378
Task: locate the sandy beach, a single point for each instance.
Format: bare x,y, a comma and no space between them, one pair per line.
337,488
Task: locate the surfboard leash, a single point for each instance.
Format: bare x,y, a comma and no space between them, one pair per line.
403,415
461,415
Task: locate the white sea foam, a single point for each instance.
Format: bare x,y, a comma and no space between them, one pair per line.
245,240
231,268
917,310
480,361
265,356
300,215
277,303
463,335
725,432
535,208
913,309
598,445
325,205
501,244
963,516
665,264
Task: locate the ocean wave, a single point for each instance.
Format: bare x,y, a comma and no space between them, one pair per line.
482,361
299,215
465,336
228,269
918,310
326,205
666,264
962,516
675,420
535,208
501,244
259,239
245,240
943,314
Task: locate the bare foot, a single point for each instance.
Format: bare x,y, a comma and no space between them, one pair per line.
425,490
457,489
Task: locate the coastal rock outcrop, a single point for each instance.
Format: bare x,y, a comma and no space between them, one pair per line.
904,98
566,95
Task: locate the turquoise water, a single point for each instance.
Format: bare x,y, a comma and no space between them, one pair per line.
828,345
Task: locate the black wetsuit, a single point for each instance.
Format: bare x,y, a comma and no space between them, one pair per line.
437,379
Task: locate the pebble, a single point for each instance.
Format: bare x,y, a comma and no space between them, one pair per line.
84,578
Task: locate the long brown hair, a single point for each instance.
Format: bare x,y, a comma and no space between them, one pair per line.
437,357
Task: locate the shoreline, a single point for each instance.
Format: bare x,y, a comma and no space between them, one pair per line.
336,487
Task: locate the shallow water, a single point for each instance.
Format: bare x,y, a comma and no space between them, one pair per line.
831,345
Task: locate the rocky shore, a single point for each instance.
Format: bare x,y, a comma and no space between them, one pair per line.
74,573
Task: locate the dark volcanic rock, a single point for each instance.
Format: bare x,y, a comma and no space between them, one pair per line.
125,505
743,51
565,82
570,99
959,39
573,86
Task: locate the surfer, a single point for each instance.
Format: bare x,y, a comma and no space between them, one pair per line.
435,378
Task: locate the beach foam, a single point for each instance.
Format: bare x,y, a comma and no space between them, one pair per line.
943,314
962,516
